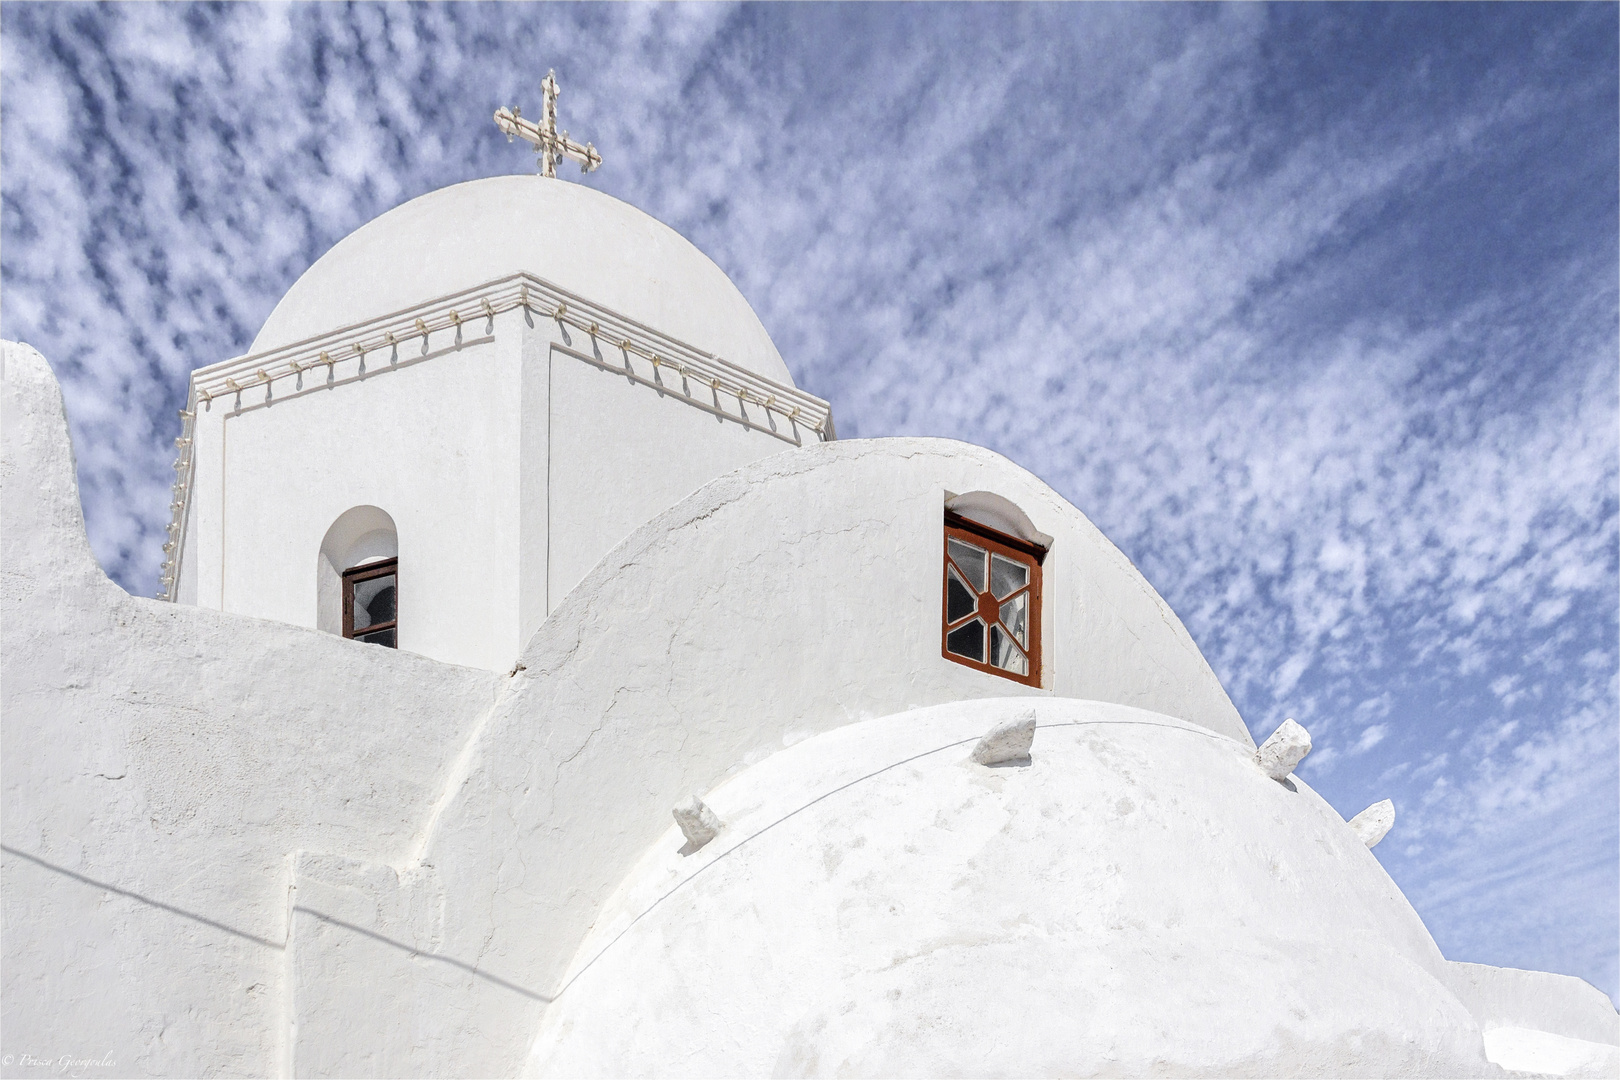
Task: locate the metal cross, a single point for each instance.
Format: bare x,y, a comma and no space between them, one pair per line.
552,145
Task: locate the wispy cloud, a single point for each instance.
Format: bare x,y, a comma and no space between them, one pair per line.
1313,310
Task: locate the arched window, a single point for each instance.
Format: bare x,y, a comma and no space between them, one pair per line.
992,598
357,577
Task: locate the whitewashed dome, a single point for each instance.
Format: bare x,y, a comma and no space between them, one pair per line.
1139,899
584,241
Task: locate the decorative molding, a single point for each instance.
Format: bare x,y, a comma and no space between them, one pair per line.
682,386
607,329
180,498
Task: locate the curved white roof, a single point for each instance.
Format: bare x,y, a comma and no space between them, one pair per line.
1139,899
581,240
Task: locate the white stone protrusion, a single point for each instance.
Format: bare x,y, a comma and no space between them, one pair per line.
1374,823
697,822
1007,741
1285,749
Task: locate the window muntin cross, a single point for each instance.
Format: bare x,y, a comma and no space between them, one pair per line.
992,601
371,602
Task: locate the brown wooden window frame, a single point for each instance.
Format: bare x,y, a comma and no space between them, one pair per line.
1010,547
365,572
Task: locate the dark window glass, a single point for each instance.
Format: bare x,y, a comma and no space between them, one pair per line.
373,602
967,641
960,602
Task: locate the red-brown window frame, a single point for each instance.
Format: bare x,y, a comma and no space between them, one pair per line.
1022,551
365,572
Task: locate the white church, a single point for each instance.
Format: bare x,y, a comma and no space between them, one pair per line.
539,687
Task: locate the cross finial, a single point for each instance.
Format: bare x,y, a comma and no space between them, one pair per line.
552,145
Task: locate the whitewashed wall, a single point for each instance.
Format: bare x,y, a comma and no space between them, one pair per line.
1139,899
1535,1000
431,440
160,768
619,453
236,847
793,596
707,639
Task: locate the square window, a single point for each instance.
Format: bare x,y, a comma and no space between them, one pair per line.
371,602
992,606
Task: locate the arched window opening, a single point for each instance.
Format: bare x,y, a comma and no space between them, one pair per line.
357,577
999,513
992,600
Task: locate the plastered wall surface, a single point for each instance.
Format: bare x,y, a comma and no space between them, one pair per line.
876,904
582,240
714,628
795,595
432,439
620,453
239,847
160,766
1537,1000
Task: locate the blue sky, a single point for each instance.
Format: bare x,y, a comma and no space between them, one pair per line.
1313,310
